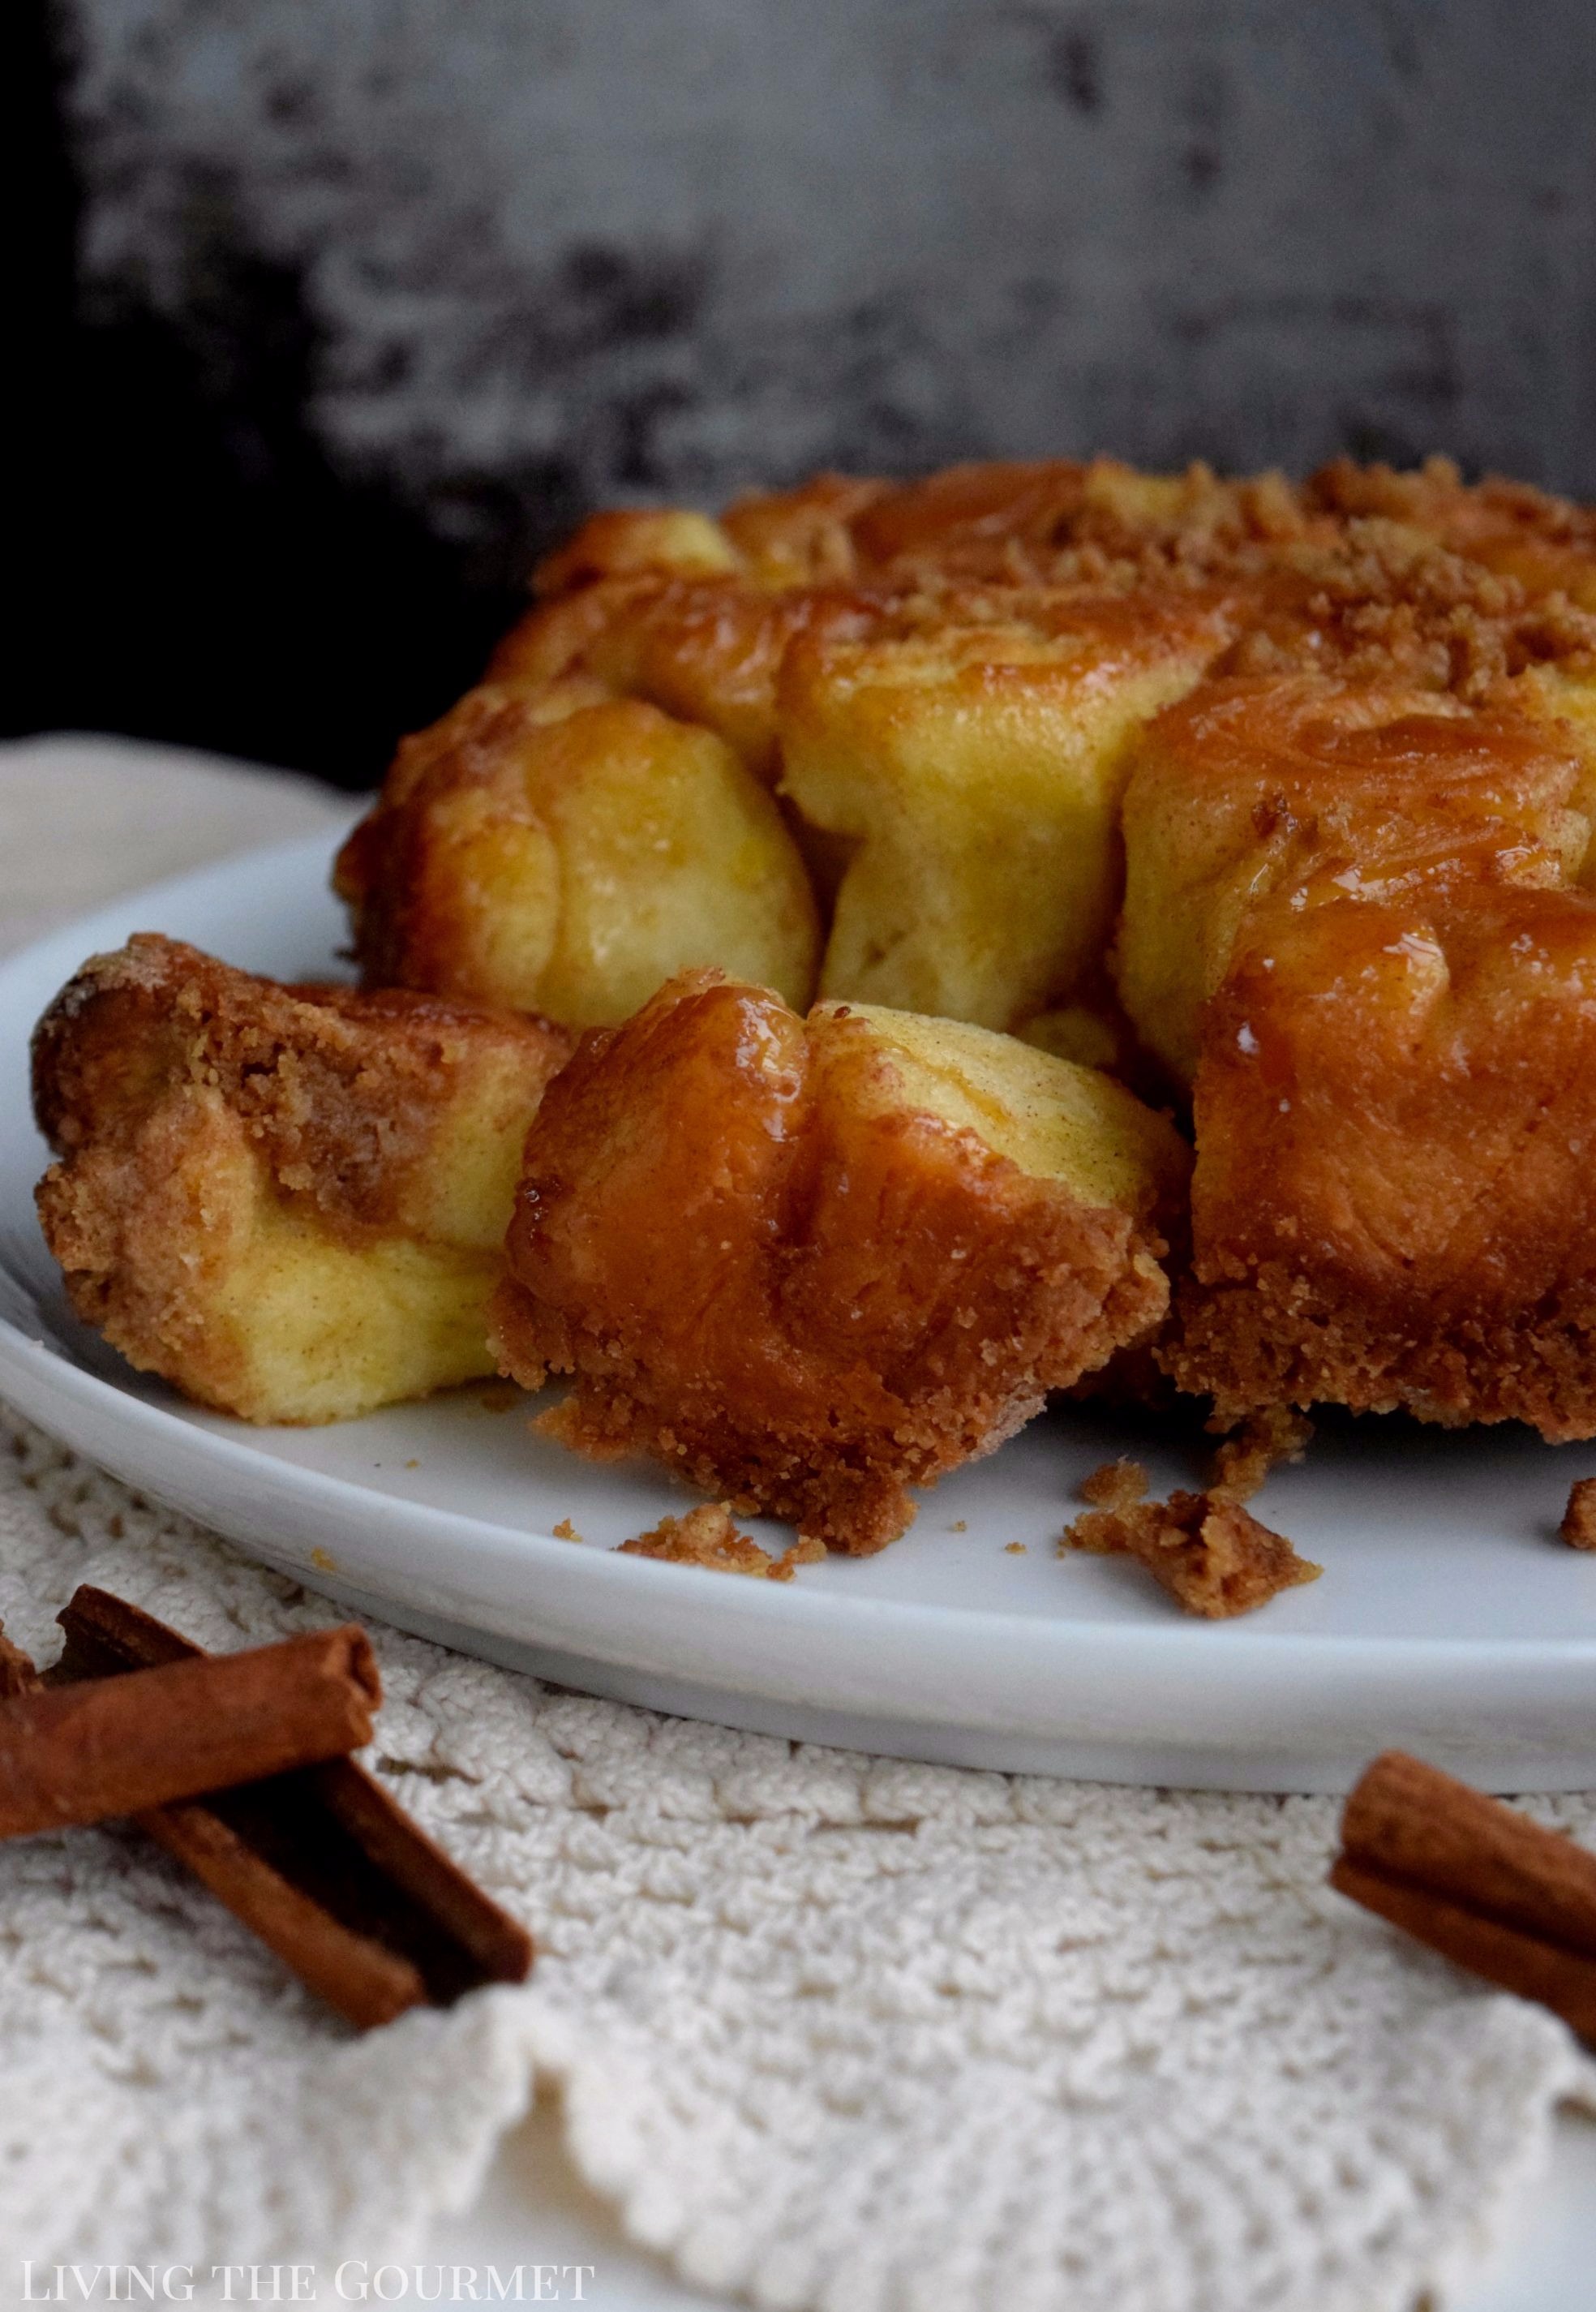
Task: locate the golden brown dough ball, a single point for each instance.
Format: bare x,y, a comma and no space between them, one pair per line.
976,772
565,851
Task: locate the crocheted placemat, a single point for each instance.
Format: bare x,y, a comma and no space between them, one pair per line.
836,2032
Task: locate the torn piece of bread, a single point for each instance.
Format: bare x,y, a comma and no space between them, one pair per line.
1393,1206
977,771
289,1201
564,852
808,1265
1353,922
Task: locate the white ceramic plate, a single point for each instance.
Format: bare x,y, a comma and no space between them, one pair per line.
1449,1620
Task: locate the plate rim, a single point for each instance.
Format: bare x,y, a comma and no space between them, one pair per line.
21,1355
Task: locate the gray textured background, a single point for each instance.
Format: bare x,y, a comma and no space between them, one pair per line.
640,245
488,261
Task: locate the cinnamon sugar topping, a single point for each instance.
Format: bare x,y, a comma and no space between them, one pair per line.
1116,1486
1211,1556
707,1537
1276,1433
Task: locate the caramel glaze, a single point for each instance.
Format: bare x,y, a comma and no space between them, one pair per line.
800,1299
1388,1205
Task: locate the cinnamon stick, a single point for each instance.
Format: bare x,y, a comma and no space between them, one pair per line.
1498,1895
78,1754
321,1862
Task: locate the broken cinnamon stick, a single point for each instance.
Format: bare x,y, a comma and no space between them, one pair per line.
76,1755
1473,1880
321,1864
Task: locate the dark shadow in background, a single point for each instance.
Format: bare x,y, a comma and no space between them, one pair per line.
190,568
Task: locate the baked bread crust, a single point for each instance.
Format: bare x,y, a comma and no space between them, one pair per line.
771,1269
1394,1204
289,1201
562,849
901,738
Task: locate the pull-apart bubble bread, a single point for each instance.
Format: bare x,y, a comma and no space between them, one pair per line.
1037,923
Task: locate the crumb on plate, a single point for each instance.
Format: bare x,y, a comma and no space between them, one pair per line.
565,1531
1276,1433
707,1537
1116,1486
1578,1528
1210,1553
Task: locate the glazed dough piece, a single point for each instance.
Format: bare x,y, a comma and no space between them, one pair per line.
1259,784
706,651
695,615
670,541
565,851
289,1201
1349,911
1000,522
808,1265
804,537
977,772
1394,1205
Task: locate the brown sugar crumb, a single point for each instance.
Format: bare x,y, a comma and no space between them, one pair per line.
1116,1486
565,1531
1013,1549
323,1561
707,1537
1211,1556
1264,1440
958,1525
1578,1528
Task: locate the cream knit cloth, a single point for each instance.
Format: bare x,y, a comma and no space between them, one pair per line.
832,2032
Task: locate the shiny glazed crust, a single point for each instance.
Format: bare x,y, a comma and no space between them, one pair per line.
1276,800
1394,1204
1383,742
774,1274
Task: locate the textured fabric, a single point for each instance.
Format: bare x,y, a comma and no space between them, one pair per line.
82,819
836,2032
841,2033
